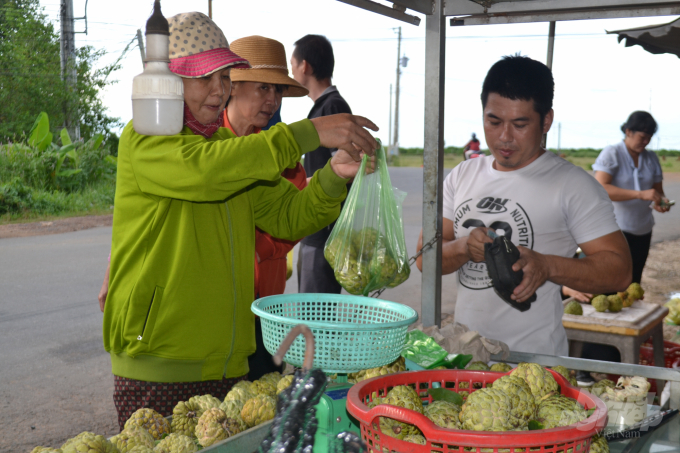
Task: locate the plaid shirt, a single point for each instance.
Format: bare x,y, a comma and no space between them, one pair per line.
206,130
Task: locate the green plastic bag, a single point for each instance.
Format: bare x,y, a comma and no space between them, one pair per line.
422,350
367,248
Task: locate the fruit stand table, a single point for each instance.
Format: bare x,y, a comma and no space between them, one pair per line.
625,330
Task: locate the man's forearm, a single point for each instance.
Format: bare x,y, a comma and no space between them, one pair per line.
599,273
454,255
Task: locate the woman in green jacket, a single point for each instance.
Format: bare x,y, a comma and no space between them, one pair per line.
177,319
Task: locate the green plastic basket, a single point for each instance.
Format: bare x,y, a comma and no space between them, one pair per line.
352,333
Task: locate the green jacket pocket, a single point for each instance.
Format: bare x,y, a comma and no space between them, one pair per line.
147,331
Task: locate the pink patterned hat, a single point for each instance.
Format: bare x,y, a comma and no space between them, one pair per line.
198,47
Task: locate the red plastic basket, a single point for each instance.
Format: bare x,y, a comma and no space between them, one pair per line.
570,439
671,353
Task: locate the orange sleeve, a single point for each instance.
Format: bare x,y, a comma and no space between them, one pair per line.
268,247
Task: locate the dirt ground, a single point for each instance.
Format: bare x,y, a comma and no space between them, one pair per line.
660,278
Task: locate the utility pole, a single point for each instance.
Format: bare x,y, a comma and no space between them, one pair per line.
140,41
68,65
395,141
559,137
210,9
549,64
390,122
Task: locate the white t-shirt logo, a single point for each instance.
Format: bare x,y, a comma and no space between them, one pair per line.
500,214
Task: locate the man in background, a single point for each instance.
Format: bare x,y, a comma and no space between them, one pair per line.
312,65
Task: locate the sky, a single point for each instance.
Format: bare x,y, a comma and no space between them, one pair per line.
598,81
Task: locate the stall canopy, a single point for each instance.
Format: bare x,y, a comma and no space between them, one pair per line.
476,12
656,39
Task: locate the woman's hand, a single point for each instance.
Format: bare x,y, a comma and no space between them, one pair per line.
346,167
578,295
346,132
104,291
651,195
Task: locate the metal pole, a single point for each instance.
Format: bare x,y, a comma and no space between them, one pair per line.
395,142
549,63
390,122
210,9
559,136
140,41
68,65
433,164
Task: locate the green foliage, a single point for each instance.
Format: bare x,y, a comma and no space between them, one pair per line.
30,76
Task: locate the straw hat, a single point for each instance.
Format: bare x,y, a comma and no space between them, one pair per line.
268,64
198,47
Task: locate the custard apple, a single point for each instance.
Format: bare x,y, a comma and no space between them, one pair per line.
627,300
443,414
415,438
214,426
383,268
402,275
353,276
273,378
150,420
635,291
258,410
573,308
500,366
284,383
264,387
365,242
397,429
487,409
599,444
176,443
401,396
131,437
615,303
600,387
562,370
232,407
523,402
558,410
600,303
477,366
141,449
87,442
247,385
185,417
239,394
205,402
46,450
338,248
540,381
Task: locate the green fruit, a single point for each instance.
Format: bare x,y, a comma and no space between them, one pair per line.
673,306
523,406
562,370
599,444
558,410
478,366
635,291
205,402
615,303
600,387
232,408
141,449
338,251
540,381
600,303
185,416
176,443
443,414
240,394
132,437
46,450
573,308
284,383
353,276
244,384
150,420
415,438
487,410
402,275
263,387
214,426
401,396
627,300
258,410
383,268
87,442
273,378
500,366
365,242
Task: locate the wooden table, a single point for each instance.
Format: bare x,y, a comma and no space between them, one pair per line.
625,330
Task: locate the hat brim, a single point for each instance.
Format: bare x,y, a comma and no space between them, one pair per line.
273,76
205,63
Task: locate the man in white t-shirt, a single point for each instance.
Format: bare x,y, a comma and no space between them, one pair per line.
545,205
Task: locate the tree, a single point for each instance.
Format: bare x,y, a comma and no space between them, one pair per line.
30,76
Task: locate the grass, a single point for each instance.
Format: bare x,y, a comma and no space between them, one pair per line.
670,165
94,199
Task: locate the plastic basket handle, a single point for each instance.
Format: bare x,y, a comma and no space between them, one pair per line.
401,414
290,338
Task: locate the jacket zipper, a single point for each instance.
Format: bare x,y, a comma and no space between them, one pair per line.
233,283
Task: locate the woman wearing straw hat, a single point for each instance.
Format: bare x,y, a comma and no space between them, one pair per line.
256,95
183,241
